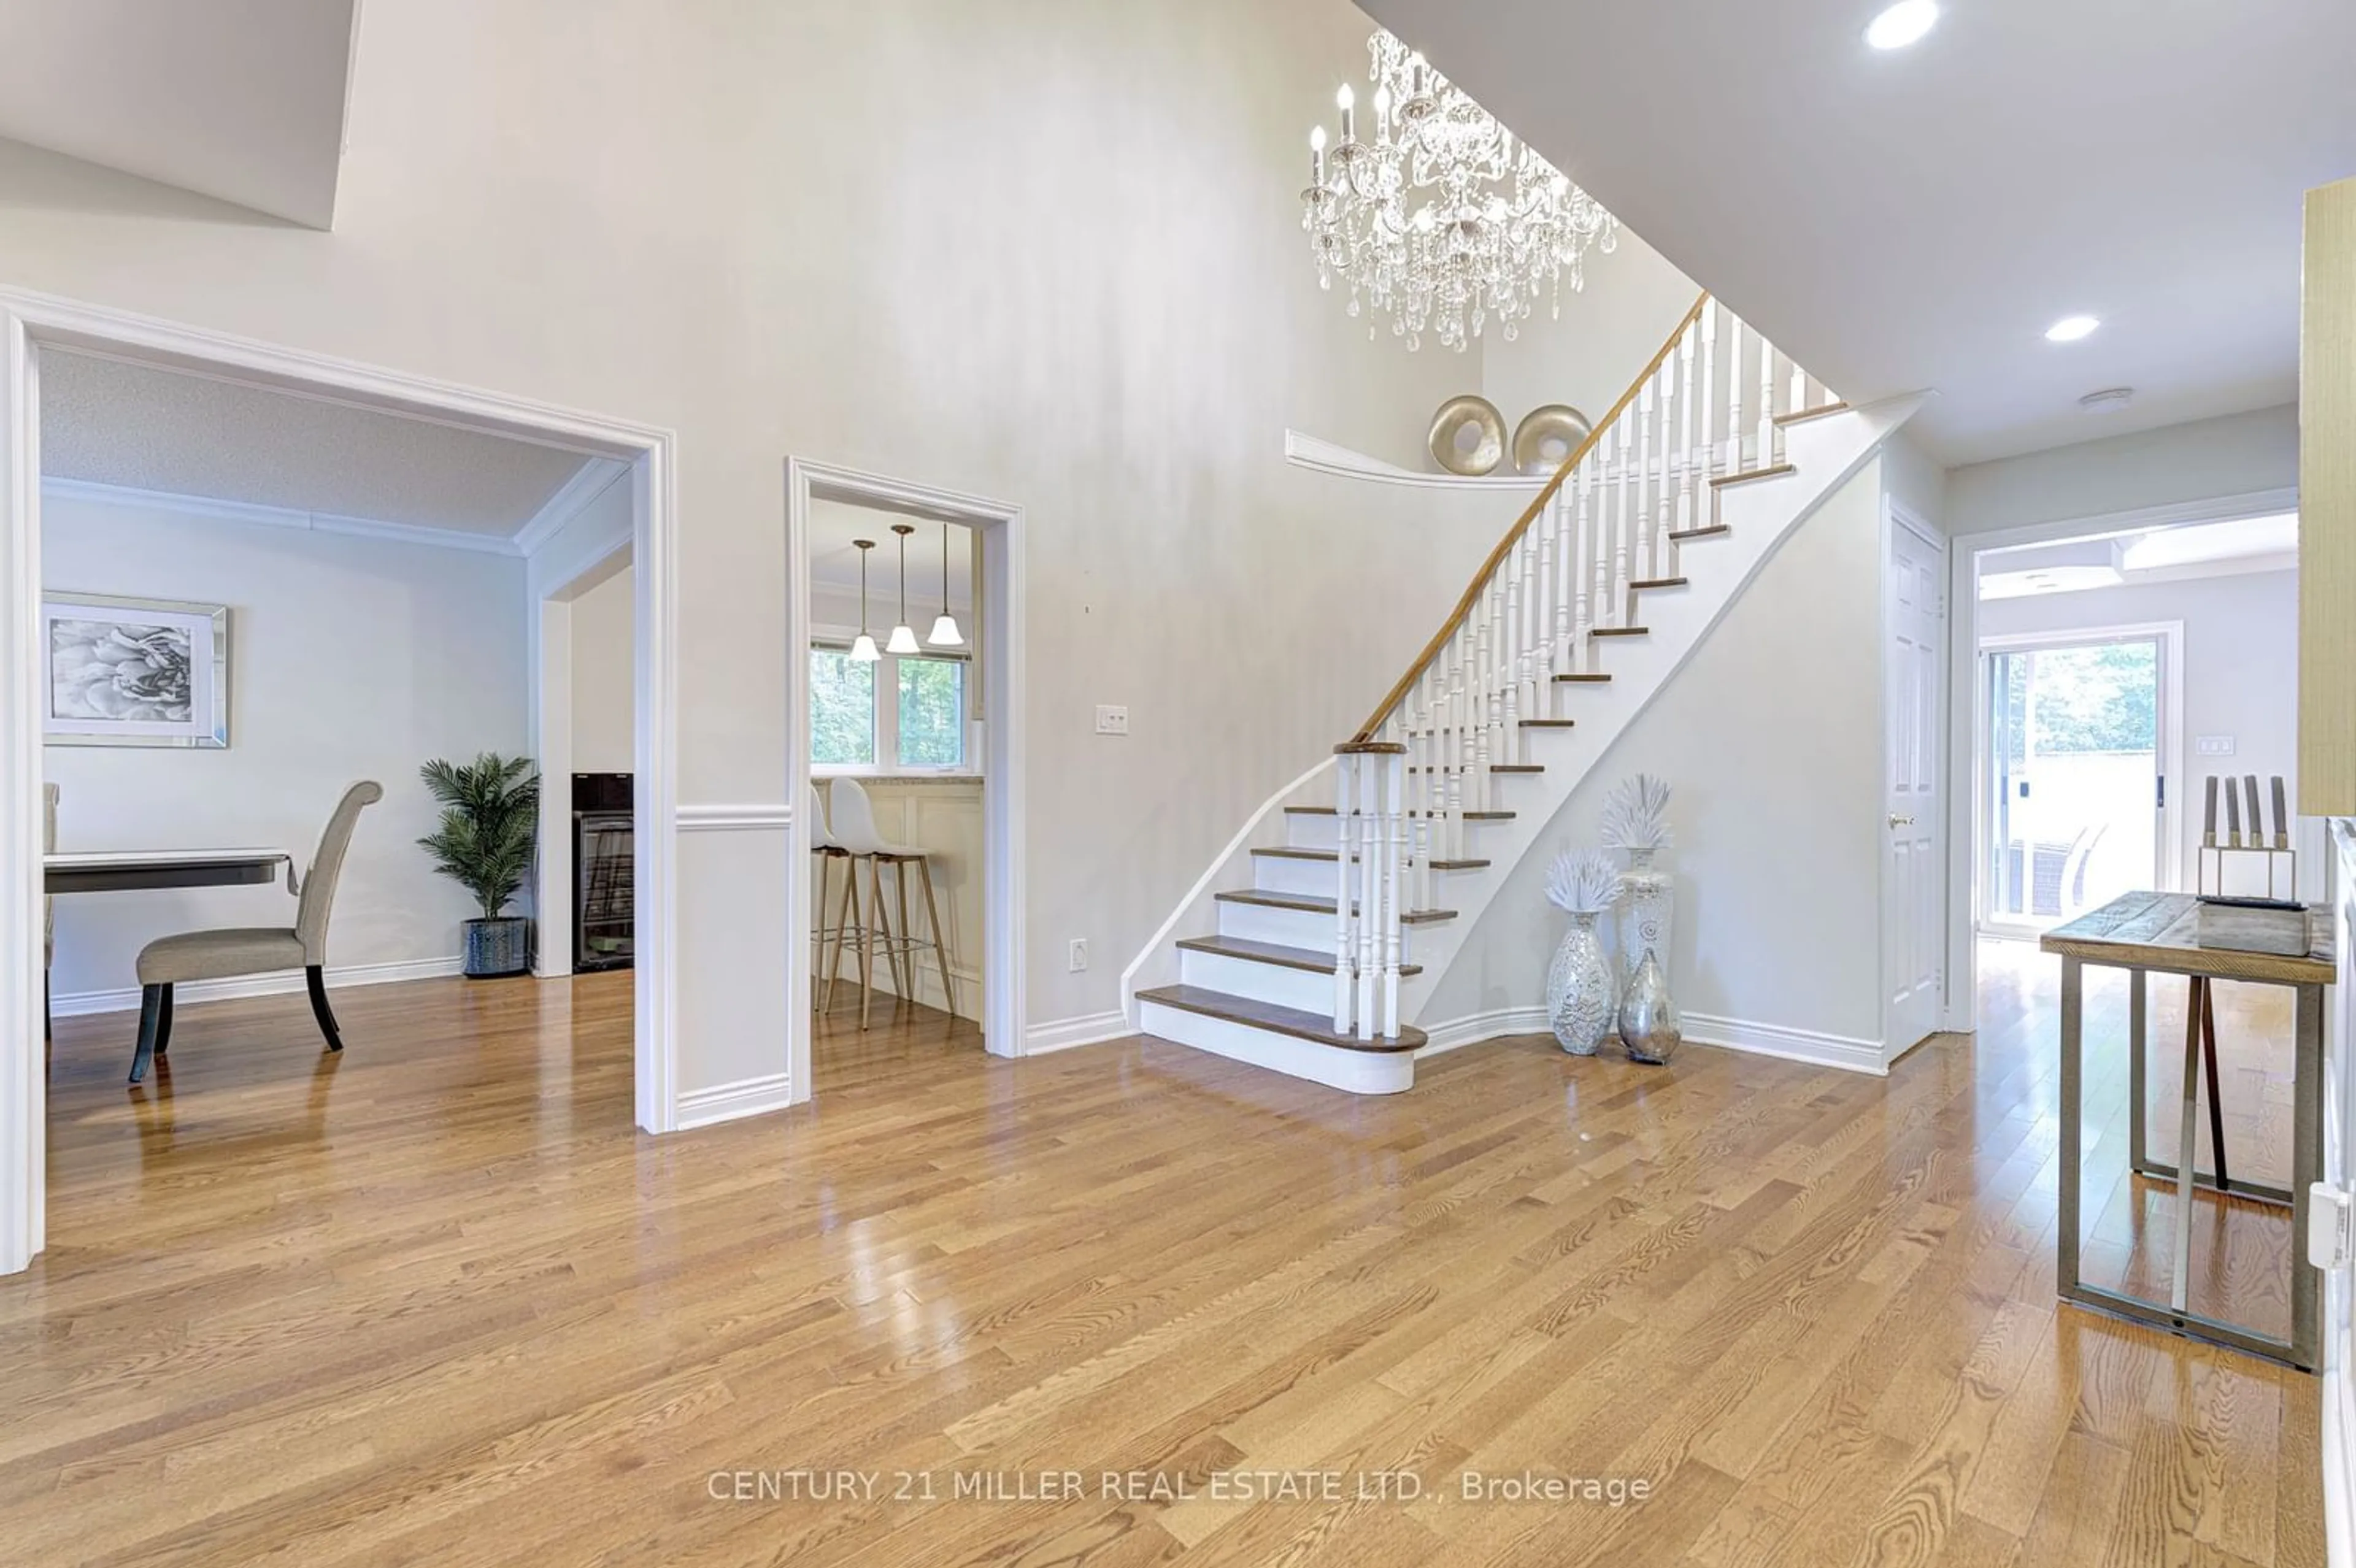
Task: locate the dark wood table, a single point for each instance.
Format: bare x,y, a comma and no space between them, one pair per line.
127,871
2147,933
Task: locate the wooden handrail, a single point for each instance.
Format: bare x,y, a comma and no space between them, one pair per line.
1521,525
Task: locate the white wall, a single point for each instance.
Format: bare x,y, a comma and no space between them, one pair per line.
2241,673
349,658
988,293
1604,336
2236,455
604,689
1771,736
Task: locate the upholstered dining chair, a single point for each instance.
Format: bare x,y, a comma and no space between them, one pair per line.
255,950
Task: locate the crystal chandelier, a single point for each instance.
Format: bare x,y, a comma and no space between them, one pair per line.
1441,220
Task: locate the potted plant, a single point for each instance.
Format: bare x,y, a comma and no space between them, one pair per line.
490,818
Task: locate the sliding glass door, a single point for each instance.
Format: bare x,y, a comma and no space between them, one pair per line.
2073,795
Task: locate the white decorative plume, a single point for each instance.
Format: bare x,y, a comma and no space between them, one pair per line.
1636,814
1583,881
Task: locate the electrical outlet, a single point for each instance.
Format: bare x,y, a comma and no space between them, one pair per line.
2215,745
1079,954
1111,719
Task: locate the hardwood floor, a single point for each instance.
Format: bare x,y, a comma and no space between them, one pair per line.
435,1302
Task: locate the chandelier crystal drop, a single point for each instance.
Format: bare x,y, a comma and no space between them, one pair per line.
1438,218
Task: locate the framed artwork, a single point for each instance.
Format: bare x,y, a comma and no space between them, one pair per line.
134,672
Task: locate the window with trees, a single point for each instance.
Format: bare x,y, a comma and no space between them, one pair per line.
899,714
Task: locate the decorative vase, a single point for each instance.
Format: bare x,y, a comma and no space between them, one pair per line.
496,947
1647,909
1649,1025
1579,989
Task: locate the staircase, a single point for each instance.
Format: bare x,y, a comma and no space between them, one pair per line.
1351,891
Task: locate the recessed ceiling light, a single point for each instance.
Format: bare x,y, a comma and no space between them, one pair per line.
2071,329
1902,24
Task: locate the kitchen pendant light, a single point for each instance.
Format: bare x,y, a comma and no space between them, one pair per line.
863,648
945,630
904,636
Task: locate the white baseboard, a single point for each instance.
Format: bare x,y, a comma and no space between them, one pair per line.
279,983
733,1101
2338,1395
1701,1029
1844,1051
1090,1028
1457,1034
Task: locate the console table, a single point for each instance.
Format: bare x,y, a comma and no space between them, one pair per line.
2147,933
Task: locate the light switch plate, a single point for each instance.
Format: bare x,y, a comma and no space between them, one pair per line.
2215,745
1111,719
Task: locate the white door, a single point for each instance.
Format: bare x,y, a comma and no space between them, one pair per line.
1914,916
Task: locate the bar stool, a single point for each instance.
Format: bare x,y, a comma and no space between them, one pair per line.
853,818
822,845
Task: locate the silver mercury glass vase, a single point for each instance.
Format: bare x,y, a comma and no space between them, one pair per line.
1647,909
1579,989
1650,1027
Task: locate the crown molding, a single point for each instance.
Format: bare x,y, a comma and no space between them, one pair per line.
252,512
593,479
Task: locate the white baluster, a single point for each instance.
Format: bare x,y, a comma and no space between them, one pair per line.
1542,624
1346,802
1767,431
1616,610
1647,412
1688,342
1395,773
1664,482
1583,569
1477,779
1709,432
1509,674
1599,558
1453,844
1733,394
1566,557
1369,863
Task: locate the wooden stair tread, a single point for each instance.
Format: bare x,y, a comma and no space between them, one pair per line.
1309,903
1494,767
1681,535
1584,679
1773,471
1315,1028
1803,415
1275,953
1621,632
1547,723
1468,815
1644,582
1331,856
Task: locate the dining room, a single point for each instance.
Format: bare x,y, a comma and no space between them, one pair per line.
287,722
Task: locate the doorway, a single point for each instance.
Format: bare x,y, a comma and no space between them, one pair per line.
888,724
1913,903
31,325
2073,784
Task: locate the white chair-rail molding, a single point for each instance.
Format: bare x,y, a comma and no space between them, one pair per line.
1612,572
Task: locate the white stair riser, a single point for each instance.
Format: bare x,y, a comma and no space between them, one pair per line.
1278,983
1355,1072
1278,874
1306,831
1291,928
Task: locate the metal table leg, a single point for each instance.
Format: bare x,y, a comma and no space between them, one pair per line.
2180,1277
2138,1069
2306,1169
2065,1245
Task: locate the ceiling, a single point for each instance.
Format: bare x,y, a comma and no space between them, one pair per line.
238,100
2185,550
1917,219
109,422
834,559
